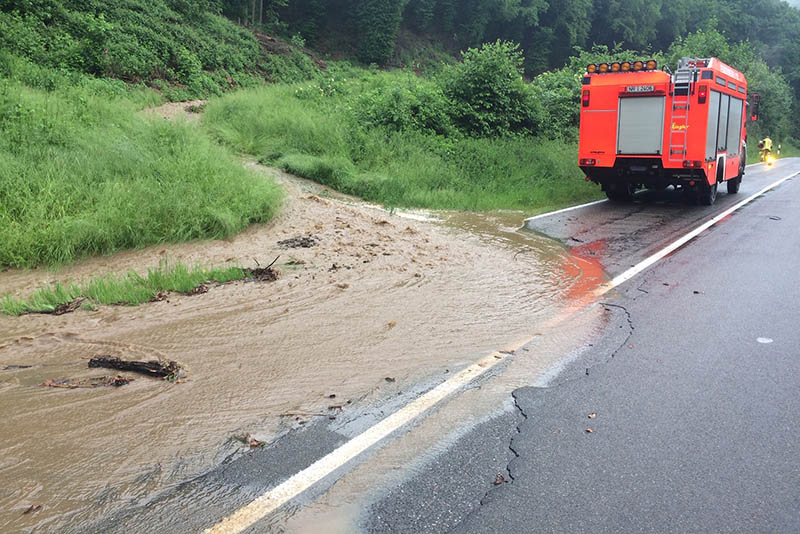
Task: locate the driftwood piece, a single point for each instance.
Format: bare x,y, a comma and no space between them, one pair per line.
94,382
168,369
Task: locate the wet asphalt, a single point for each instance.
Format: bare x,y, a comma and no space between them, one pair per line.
693,418
682,417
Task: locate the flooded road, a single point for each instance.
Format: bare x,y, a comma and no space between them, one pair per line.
377,302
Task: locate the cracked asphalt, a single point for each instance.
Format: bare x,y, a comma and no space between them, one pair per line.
681,417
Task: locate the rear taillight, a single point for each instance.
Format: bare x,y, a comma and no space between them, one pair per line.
585,99
692,164
588,161
702,94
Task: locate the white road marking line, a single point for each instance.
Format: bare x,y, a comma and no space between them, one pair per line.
641,266
256,510
549,213
272,499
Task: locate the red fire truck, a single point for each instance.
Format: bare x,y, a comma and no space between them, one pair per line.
644,127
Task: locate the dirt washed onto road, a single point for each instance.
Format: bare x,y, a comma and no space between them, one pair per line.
363,296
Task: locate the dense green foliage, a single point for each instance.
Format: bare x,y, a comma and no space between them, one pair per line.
392,138
177,46
82,172
489,94
549,32
187,48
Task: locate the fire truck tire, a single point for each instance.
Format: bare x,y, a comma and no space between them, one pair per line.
621,193
733,185
708,195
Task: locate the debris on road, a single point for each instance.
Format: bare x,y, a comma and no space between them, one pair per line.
697,292
389,379
15,367
589,430
61,309
592,415
307,241
249,440
94,382
262,274
160,297
199,290
169,370
32,509
499,479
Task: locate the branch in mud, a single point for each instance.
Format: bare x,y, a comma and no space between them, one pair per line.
94,382
61,309
262,274
169,370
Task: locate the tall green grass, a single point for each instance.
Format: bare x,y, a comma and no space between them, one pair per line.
315,133
130,289
83,173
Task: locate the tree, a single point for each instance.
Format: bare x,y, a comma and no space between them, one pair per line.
377,22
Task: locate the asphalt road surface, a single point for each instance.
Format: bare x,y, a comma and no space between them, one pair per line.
683,417
678,415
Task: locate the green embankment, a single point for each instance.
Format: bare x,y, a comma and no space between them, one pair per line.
465,139
83,172
323,141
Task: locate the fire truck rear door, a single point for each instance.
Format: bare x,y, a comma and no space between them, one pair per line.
641,125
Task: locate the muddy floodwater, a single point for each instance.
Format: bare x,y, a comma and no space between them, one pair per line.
362,296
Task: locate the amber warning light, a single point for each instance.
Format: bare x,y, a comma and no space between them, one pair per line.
625,66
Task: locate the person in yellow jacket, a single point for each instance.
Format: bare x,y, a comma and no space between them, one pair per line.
765,148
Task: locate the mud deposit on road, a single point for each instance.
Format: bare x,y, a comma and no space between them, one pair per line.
373,296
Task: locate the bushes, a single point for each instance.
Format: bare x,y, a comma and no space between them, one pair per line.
489,93
325,138
483,96
410,103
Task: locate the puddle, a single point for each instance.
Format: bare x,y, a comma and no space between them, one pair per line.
377,295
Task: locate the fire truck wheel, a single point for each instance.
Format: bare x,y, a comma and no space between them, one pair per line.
621,193
708,195
733,185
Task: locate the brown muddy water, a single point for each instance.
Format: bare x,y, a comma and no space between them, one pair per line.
378,295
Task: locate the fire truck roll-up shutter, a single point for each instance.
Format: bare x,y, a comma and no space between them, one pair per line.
734,127
641,125
722,131
713,123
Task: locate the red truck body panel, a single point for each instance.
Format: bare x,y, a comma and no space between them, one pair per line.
653,129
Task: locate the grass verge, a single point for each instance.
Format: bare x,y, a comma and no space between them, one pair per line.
129,289
313,130
84,173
